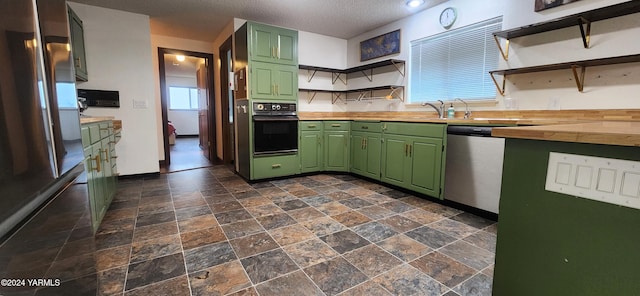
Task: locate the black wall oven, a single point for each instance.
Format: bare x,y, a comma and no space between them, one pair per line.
275,128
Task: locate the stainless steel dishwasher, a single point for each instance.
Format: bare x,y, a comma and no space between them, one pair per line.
473,167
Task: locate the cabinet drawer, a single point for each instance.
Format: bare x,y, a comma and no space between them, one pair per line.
337,125
86,138
415,129
310,125
366,126
275,166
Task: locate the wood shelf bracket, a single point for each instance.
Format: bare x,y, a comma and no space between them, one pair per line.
505,52
400,69
499,87
579,78
586,33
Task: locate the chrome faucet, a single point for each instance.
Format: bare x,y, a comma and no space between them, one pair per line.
440,109
467,113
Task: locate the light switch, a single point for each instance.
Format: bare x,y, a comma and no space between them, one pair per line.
583,176
606,180
563,171
139,104
630,184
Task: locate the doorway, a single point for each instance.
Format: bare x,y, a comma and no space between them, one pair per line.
226,68
188,117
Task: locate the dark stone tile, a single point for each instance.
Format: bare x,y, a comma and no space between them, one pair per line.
154,248
396,194
372,260
219,198
338,195
114,239
276,221
242,228
351,218
121,214
189,203
226,206
197,223
376,212
253,244
333,208
86,285
265,210
72,267
268,265
421,216
415,201
355,203
483,240
178,286
262,185
472,220
305,214
335,276
492,228
430,237
113,257
344,241
144,220
233,216
215,192
316,200
441,210
155,192
303,192
478,285
366,288
377,198
453,228
155,270
291,204
451,293
296,283
291,234
469,255
155,231
444,269
345,185
325,189
246,194
208,256
246,292
109,226
116,205
111,281
406,280
323,226
219,280
255,201
400,223
374,231
310,252
186,213
155,208
76,248
397,206
201,237
404,247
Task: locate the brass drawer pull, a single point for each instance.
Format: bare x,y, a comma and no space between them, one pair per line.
335,125
276,166
365,127
311,126
97,160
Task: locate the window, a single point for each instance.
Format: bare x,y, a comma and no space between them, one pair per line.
455,64
183,98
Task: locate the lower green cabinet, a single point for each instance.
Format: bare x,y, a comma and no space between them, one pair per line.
311,148
336,146
365,154
275,166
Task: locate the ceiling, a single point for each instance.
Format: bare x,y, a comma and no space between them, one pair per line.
186,68
205,19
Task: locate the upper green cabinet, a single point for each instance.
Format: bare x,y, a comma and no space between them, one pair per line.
412,156
77,46
274,81
273,45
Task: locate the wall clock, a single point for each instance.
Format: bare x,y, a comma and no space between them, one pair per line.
448,17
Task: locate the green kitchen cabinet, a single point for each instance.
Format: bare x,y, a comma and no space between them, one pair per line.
412,160
366,149
276,166
95,183
273,45
76,30
336,146
311,148
273,81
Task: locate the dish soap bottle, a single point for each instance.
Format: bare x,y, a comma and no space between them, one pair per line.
451,113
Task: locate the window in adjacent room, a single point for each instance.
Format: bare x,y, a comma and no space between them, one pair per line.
183,98
455,64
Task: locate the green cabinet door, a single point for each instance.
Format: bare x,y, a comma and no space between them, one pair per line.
365,154
426,165
273,81
336,155
273,45
95,183
311,151
76,29
396,165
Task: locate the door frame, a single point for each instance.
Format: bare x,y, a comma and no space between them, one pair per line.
164,99
227,148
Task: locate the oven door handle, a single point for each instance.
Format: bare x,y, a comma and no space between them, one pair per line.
275,118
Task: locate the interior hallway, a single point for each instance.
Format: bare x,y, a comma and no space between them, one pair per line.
185,155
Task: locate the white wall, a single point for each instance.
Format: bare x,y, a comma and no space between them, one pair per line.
119,58
185,121
607,87
171,43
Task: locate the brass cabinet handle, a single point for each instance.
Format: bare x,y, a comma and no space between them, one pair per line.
365,143
275,166
106,155
362,144
410,148
406,148
114,157
365,127
97,160
335,125
78,62
384,127
311,126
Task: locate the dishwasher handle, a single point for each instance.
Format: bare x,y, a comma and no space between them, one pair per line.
468,130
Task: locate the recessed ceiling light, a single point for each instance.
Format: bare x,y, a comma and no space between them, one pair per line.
180,58
414,3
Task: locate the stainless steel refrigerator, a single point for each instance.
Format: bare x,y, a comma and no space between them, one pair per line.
40,140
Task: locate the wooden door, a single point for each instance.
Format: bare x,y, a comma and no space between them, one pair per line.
203,109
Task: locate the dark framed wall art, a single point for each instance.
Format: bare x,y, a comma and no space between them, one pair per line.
379,46
546,4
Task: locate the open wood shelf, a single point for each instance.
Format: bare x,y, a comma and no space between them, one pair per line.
574,66
581,20
362,93
337,73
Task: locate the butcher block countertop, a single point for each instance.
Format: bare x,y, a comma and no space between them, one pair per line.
117,124
608,127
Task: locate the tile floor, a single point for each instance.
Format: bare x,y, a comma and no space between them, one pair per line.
208,232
